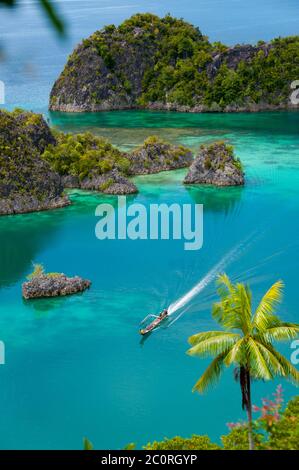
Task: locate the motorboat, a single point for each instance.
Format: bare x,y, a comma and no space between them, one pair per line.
156,320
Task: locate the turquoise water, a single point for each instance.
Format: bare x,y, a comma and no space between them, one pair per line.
75,367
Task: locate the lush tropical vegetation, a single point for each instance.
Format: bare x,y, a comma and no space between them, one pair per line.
80,154
23,174
84,154
168,60
245,342
218,153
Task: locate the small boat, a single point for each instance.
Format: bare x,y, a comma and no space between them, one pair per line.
156,322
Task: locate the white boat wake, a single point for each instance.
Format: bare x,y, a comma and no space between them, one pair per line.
207,279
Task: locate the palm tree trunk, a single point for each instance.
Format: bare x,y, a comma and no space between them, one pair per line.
249,413
245,384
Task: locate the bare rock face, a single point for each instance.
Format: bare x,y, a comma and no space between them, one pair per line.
70,181
216,165
155,155
53,286
234,55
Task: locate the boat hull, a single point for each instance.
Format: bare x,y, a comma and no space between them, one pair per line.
154,324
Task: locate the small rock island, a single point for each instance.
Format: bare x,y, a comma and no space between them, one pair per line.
41,284
156,155
216,165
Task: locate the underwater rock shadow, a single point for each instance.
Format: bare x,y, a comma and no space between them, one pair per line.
22,238
44,305
217,199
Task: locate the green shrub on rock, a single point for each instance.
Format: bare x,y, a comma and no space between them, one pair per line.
81,154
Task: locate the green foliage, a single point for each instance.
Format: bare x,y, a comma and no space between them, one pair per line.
273,430
23,136
123,164
37,272
23,174
163,146
284,434
153,140
266,77
83,154
87,445
175,48
218,153
179,443
237,439
130,446
155,154
180,63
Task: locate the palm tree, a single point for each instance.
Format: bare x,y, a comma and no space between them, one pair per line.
246,342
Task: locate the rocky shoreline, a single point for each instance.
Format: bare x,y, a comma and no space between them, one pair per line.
175,107
23,205
110,183
57,285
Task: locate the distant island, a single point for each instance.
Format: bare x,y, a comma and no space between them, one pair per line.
168,64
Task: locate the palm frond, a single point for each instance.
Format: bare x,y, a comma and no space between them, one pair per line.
224,281
236,353
290,372
233,311
227,314
211,375
273,363
264,316
194,339
283,332
214,345
256,362
243,300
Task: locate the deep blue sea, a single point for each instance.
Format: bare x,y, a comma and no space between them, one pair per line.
76,366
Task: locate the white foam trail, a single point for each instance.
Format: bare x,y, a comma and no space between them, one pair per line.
204,281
